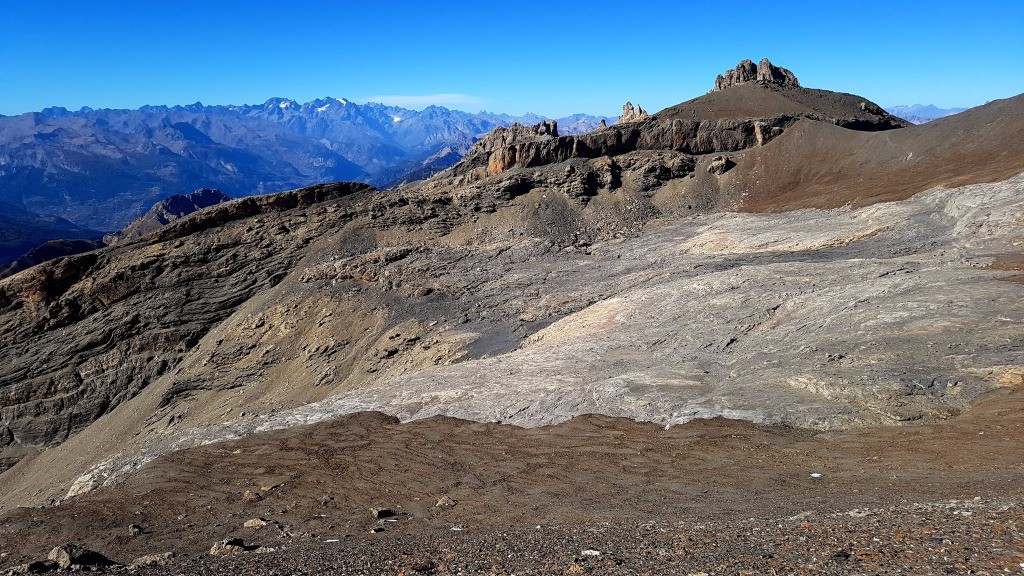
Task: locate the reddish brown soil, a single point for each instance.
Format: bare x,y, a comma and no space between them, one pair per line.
583,474
753,100
1011,263
817,165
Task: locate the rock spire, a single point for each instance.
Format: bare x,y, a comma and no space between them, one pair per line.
631,114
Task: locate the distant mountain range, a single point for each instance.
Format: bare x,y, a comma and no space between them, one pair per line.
921,113
102,168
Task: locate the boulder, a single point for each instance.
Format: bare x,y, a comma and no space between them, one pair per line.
228,547
383,513
68,555
153,560
720,165
445,502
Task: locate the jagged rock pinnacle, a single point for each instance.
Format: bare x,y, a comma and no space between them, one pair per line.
764,73
631,114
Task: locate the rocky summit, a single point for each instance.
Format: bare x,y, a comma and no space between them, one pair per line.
631,114
768,302
764,72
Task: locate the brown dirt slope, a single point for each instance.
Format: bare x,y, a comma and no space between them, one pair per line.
755,100
320,482
817,165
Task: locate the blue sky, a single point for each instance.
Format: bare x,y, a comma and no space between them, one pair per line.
553,57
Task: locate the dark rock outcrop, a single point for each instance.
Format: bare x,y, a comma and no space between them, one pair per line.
764,72
718,122
504,149
507,147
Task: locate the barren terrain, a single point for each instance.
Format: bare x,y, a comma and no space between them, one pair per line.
768,329
711,496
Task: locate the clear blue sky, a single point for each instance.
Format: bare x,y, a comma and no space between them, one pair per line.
552,57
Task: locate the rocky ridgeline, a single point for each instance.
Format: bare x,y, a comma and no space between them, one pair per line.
691,128
631,114
525,147
764,73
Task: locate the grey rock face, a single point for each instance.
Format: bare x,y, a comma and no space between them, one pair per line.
764,72
502,146
826,319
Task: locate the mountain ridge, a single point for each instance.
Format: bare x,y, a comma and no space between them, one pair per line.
104,167
542,277
921,113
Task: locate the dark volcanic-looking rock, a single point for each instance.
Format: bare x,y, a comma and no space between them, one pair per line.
764,72
166,211
720,165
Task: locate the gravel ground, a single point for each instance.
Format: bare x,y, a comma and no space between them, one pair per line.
953,537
